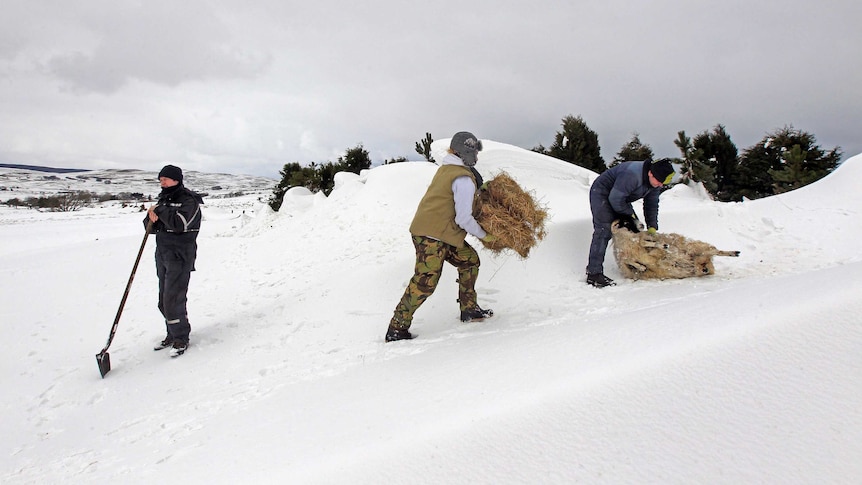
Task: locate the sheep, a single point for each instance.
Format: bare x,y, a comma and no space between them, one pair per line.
662,255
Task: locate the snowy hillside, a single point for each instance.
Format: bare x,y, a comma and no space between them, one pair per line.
753,375
21,183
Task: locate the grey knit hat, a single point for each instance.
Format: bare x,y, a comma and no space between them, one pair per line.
466,146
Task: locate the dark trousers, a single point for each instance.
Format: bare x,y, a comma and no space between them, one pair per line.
603,216
174,271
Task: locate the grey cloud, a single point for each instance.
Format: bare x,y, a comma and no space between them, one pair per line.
168,45
258,84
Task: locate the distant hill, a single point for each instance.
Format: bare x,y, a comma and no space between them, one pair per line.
22,181
41,169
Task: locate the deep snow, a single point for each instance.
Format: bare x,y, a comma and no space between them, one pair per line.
753,375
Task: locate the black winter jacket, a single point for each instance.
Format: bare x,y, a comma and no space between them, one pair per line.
179,221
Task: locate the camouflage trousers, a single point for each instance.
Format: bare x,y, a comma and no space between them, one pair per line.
430,256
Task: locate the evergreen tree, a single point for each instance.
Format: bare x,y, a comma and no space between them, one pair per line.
423,147
693,169
762,167
308,177
633,151
355,160
793,174
755,169
277,197
816,159
539,149
578,144
683,142
318,177
395,160
717,151
323,176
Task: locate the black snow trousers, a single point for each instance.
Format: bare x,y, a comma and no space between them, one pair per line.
174,271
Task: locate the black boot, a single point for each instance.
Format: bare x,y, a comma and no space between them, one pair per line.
476,314
599,280
167,342
178,348
393,334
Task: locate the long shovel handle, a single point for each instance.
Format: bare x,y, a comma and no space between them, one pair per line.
128,287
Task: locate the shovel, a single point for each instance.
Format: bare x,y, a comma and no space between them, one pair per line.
103,358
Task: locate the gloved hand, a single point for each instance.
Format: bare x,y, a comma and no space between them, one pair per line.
630,223
489,238
484,186
640,225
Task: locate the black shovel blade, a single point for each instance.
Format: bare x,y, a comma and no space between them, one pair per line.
104,361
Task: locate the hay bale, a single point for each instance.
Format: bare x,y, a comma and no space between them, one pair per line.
512,214
662,255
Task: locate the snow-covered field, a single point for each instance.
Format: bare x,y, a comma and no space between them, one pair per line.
753,375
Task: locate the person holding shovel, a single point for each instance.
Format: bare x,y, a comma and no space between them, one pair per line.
176,220
442,221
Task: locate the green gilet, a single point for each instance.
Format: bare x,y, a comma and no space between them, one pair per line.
435,216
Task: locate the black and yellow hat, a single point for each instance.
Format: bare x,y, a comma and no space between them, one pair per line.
662,170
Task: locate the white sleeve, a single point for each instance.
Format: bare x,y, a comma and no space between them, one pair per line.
464,190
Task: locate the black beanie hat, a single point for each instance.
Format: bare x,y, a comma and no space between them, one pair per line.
662,170
172,172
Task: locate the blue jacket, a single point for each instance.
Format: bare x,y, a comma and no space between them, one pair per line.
626,183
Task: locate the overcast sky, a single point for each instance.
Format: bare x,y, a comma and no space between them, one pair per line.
247,86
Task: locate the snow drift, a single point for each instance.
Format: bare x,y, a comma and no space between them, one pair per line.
750,375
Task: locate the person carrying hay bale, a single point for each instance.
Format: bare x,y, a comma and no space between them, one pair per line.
611,197
442,221
512,214
662,256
